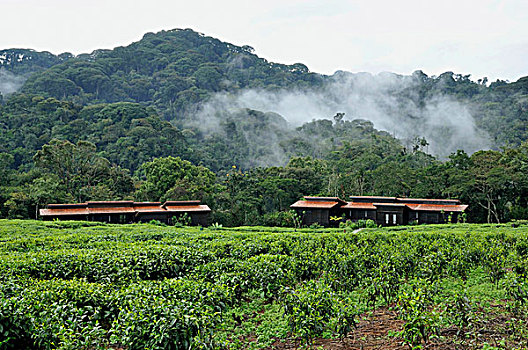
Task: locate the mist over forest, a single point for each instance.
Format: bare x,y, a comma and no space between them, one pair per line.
252,129
389,101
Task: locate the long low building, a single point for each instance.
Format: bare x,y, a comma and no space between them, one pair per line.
122,212
385,211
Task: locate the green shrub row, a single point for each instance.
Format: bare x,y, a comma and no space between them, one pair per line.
150,287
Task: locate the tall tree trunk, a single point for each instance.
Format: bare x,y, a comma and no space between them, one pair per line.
489,211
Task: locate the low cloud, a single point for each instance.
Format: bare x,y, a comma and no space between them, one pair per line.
391,102
10,82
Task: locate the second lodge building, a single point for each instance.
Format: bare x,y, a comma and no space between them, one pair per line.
385,211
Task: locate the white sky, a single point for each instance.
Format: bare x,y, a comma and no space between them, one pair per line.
478,37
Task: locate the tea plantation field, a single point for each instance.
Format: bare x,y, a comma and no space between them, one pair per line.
81,285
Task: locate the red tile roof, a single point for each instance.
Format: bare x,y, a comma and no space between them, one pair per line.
354,205
63,211
389,204
110,203
110,210
318,202
148,207
451,205
185,208
437,207
176,203
85,211
121,207
314,198
314,204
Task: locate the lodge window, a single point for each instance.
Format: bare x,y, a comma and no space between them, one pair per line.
387,219
394,219
366,213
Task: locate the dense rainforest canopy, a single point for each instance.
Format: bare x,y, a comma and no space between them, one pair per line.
107,125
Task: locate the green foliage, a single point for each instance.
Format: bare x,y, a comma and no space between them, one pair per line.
516,287
282,219
461,311
354,225
495,261
122,100
23,62
175,70
494,184
216,225
71,285
127,134
182,220
385,282
170,70
172,178
157,223
313,307
158,323
80,172
421,319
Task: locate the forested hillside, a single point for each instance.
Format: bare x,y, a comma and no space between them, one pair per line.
16,65
181,72
260,134
126,133
170,70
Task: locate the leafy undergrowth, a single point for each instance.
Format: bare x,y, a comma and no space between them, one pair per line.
479,318
375,331
75,285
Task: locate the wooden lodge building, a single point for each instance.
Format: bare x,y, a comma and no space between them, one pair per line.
124,212
385,211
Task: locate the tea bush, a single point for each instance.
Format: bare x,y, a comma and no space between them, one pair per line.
74,285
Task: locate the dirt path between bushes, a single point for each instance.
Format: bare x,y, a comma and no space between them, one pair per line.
373,333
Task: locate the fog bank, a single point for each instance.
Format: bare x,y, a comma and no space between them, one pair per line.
9,82
392,102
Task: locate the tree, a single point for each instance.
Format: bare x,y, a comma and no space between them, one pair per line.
176,179
80,171
6,162
490,183
338,118
516,161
